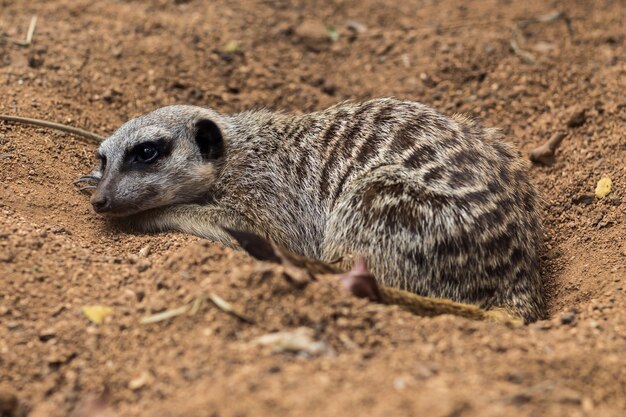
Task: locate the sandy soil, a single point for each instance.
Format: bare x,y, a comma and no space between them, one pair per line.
96,64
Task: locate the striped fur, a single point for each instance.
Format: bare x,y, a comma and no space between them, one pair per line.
440,206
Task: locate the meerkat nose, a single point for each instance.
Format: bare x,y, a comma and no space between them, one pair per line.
100,203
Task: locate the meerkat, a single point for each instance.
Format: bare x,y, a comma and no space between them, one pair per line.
439,206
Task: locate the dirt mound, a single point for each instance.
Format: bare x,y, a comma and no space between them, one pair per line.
96,64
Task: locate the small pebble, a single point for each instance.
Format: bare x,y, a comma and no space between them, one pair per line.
145,251
143,265
568,318
313,34
577,118
46,335
8,403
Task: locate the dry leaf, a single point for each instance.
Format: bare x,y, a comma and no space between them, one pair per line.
96,314
603,187
231,47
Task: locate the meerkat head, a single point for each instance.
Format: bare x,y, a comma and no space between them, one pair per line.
171,155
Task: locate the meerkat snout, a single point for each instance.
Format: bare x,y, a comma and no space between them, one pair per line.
100,202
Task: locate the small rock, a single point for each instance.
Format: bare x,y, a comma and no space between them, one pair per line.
313,34
143,265
57,230
117,52
178,85
296,341
577,118
8,403
567,396
329,89
427,80
552,254
568,318
35,60
139,382
7,256
145,251
584,199
110,95
140,294
46,335
597,219
356,27
400,383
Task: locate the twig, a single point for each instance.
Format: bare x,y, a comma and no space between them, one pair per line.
544,154
29,34
31,30
226,307
525,55
165,315
52,125
546,18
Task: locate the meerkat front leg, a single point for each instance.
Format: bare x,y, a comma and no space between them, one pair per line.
206,221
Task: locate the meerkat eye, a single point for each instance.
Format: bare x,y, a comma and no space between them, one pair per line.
146,153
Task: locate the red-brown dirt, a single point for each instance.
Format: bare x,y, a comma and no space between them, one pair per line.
97,64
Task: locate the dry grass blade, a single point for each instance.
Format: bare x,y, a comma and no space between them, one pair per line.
226,307
522,53
165,315
197,304
547,18
29,34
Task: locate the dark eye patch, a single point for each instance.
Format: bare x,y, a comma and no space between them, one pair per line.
145,154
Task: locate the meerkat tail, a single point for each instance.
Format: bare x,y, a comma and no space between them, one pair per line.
361,283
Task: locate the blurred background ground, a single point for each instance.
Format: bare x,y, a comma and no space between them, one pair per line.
97,64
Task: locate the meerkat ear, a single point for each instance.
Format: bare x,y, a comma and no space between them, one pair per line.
209,139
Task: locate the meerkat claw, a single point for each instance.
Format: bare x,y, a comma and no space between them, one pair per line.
86,188
88,178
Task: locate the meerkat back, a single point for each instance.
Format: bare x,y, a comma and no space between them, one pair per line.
447,211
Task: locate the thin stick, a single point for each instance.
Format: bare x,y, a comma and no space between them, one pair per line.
547,18
525,55
29,34
544,154
52,125
31,30
226,307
